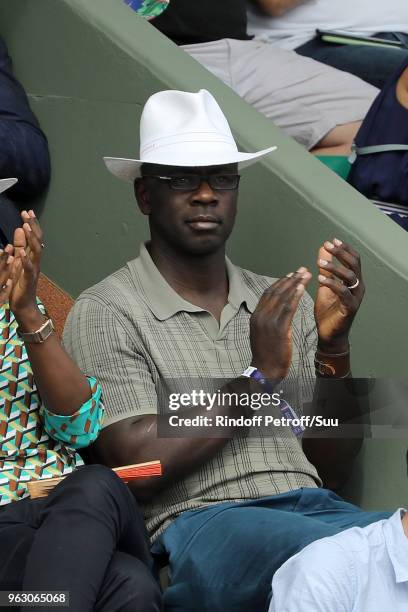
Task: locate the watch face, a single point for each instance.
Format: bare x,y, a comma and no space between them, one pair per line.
38,336
46,331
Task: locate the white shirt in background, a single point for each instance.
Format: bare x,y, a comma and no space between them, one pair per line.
298,25
357,570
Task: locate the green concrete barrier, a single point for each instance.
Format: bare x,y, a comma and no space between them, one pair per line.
88,67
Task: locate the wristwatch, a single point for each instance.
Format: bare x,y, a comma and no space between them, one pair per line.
40,335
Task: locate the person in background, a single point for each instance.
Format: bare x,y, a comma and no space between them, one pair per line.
360,569
292,24
88,537
23,152
318,106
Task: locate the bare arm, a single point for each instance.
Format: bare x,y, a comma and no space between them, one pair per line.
135,440
62,386
332,450
337,396
275,8
402,89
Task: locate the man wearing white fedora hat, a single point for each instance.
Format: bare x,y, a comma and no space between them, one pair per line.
231,506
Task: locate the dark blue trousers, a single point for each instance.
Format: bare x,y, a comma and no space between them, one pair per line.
223,557
372,64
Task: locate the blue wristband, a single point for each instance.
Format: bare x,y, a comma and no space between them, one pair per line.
257,375
287,411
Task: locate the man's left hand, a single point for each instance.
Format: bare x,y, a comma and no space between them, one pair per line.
337,303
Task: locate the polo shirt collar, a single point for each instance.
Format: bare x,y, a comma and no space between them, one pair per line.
397,545
165,302
239,291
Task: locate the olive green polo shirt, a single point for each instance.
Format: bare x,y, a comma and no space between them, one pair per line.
132,331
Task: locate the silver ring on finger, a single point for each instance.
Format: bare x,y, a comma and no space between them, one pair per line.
3,287
355,285
42,245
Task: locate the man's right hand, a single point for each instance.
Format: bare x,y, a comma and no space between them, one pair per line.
271,324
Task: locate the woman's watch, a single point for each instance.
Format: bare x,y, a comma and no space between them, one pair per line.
40,335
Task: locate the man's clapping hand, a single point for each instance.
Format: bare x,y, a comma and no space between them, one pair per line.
340,293
271,324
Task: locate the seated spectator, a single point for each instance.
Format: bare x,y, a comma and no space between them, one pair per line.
23,152
87,537
358,570
380,168
230,508
292,25
318,106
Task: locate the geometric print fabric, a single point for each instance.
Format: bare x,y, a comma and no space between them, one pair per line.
148,8
34,443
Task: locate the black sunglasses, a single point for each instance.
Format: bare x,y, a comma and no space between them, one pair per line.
192,182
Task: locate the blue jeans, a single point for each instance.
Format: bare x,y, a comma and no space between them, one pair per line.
372,64
223,557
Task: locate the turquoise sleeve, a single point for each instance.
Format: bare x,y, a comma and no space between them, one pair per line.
80,429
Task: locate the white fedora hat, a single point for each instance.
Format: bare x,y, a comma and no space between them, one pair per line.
7,183
178,128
